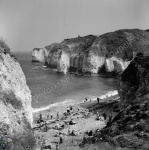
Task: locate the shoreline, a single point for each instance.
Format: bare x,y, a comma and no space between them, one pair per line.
76,125
103,97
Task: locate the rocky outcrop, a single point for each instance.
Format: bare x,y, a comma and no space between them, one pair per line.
110,52
39,55
130,126
15,106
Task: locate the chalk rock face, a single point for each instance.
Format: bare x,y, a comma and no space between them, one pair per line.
63,63
90,54
39,54
15,105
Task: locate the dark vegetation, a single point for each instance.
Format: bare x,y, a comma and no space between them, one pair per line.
10,99
112,43
129,127
4,47
25,141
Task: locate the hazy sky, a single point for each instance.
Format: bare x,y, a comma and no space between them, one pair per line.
26,24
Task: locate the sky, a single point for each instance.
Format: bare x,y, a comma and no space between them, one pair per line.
26,24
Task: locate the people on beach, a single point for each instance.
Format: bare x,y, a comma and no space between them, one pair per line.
86,99
90,133
47,116
57,115
51,116
46,127
57,146
68,111
104,115
97,114
71,108
110,119
61,139
40,116
98,99
40,119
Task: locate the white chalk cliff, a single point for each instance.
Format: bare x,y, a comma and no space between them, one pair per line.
39,55
90,54
15,104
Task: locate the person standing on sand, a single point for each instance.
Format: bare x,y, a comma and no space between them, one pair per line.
57,146
46,127
104,115
98,99
51,116
86,99
110,119
57,115
61,139
68,111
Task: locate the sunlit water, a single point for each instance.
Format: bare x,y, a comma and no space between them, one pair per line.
48,87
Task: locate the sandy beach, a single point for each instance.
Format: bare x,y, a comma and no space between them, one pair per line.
74,127
102,97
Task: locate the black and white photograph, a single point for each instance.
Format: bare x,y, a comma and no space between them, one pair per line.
74,74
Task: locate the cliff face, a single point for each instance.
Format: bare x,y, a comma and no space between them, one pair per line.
39,55
130,126
111,52
15,106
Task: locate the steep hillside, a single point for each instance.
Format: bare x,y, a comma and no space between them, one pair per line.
130,127
15,106
108,53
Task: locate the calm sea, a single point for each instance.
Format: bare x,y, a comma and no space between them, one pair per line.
48,87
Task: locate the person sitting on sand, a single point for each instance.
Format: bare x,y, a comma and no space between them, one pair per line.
71,108
68,111
57,146
97,114
46,127
90,133
73,132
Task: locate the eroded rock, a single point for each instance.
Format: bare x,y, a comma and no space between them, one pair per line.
15,106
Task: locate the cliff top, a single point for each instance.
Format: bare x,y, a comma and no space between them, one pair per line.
123,41
4,47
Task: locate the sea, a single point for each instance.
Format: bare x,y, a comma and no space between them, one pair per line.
47,87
